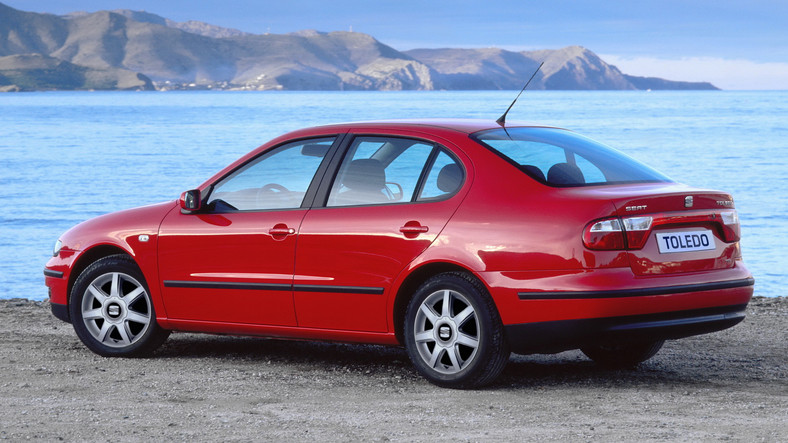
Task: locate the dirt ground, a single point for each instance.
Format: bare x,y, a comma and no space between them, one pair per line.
730,385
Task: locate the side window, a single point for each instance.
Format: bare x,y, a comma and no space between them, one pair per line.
277,179
404,171
445,178
591,173
379,170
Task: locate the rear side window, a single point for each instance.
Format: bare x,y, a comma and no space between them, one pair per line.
562,158
445,177
385,170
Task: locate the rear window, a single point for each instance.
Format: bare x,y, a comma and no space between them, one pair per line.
558,157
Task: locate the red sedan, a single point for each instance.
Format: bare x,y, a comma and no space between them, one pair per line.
462,240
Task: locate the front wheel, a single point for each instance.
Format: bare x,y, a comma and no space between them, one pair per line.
112,311
622,355
453,333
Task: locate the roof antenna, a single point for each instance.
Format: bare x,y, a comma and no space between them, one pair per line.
502,119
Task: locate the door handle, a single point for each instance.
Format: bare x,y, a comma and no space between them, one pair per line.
412,229
281,230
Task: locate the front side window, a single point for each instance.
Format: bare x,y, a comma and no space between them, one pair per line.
562,158
379,170
277,179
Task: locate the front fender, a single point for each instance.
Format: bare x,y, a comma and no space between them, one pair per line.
133,232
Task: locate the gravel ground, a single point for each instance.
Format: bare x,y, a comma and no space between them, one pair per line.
730,385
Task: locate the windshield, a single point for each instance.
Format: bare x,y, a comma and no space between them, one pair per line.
558,157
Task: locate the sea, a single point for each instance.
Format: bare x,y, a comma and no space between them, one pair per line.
68,156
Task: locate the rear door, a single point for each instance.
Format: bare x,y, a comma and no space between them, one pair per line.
390,199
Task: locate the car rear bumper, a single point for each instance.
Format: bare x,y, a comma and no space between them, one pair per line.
60,312
539,296
557,336
568,311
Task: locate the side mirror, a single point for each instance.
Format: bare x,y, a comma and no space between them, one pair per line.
190,201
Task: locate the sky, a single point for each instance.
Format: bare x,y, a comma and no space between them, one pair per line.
739,44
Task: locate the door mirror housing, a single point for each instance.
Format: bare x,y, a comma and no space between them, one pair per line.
190,201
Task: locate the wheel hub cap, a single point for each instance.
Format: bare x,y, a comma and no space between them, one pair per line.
113,310
444,333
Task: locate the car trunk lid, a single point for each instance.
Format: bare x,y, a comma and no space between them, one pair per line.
671,228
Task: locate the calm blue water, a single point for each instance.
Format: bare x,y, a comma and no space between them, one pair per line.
69,156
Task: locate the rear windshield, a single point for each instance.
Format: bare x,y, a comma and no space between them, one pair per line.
558,157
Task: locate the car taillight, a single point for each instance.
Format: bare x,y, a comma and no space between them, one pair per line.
731,229
604,235
637,229
615,233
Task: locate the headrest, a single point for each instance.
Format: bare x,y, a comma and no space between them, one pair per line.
533,171
365,174
565,174
450,178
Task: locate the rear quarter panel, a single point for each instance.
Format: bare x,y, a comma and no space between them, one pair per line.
519,235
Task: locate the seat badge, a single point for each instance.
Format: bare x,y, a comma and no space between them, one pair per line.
688,201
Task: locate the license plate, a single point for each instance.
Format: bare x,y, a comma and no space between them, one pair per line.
687,241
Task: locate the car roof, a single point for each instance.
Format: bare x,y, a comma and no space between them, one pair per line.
467,126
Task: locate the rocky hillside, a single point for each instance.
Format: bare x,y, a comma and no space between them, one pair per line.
36,72
121,44
192,26
570,68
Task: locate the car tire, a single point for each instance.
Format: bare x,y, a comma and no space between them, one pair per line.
622,355
112,311
453,332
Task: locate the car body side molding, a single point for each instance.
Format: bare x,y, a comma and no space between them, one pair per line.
339,289
272,287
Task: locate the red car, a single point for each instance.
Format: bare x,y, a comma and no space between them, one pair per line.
463,240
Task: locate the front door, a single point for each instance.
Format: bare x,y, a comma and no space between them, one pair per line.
233,261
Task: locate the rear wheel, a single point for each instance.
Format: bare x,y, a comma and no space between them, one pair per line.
453,333
112,311
622,355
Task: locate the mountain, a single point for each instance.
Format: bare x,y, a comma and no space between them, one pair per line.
119,44
316,60
655,83
29,32
192,26
490,68
35,72
570,68
575,67
304,60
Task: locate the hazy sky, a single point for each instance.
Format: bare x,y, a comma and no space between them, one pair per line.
739,44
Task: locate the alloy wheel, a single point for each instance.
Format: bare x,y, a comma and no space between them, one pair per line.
446,331
116,309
